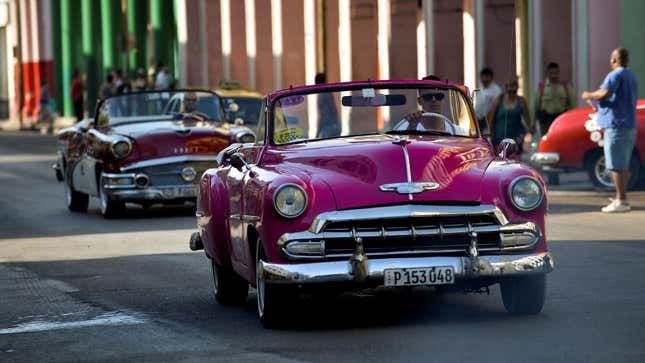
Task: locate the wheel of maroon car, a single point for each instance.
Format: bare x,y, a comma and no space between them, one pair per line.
76,201
524,294
271,298
228,286
600,176
110,208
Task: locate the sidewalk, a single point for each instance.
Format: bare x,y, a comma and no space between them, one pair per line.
59,123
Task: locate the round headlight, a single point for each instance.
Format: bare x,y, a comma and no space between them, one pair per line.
121,148
526,193
290,200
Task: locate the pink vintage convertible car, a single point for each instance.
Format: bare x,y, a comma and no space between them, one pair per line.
361,184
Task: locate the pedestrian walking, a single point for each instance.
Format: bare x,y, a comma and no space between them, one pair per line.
509,117
554,97
615,101
77,94
488,93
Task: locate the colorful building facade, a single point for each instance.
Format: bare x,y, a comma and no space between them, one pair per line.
272,44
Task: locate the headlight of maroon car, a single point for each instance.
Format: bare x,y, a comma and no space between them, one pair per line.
526,193
121,148
290,200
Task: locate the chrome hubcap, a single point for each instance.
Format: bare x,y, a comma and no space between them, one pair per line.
68,194
603,175
104,201
260,287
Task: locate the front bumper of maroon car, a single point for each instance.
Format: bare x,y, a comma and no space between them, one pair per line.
362,244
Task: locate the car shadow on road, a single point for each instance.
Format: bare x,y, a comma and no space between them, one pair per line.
178,287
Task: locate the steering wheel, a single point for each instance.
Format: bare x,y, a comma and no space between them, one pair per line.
195,116
447,121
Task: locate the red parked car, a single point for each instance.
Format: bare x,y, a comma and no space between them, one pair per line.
353,185
144,148
573,142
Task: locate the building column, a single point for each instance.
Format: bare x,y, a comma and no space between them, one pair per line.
580,44
276,41
470,44
89,13
44,48
182,38
384,37
28,86
535,43
425,40
345,54
521,47
137,22
107,35
251,50
225,20
66,55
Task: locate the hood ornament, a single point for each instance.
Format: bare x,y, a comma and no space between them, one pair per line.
409,188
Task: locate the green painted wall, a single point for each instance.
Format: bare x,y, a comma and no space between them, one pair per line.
632,28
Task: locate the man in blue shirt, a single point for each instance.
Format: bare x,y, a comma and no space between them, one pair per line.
617,117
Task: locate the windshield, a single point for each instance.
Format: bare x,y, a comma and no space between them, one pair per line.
328,114
159,105
248,109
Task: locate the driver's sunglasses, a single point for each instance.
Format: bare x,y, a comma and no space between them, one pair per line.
430,96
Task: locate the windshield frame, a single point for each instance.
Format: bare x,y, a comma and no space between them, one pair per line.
353,87
100,102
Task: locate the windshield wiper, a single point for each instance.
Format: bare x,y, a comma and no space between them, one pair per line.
418,132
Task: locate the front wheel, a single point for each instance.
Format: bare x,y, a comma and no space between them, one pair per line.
524,294
228,286
272,300
601,177
110,208
75,201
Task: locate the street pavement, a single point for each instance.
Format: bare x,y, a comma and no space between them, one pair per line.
76,287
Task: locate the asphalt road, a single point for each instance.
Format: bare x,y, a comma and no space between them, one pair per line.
76,287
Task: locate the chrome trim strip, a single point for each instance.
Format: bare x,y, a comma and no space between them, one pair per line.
408,169
169,160
464,268
404,211
244,217
545,158
150,193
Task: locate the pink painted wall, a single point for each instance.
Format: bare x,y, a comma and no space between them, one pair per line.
239,62
499,53
403,44
264,53
556,36
331,41
193,46
448,40
604,36
214,39
364,23
293,43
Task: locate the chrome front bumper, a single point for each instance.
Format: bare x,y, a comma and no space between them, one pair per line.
465,267
545,158
127,189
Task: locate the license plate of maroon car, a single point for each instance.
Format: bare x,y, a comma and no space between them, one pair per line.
441,275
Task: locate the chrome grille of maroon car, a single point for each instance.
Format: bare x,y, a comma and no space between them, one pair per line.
170,174
414,235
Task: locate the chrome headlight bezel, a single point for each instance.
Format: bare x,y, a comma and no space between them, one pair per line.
515,183
117,142
282,189
245,138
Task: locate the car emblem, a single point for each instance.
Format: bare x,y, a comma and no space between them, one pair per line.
188,173
409,188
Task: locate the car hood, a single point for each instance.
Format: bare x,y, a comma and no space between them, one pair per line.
170,138
355,168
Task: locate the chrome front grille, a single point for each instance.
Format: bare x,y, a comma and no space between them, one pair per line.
170,174
415,235
409,230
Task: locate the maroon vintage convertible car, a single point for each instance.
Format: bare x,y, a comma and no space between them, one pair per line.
360,184
145,148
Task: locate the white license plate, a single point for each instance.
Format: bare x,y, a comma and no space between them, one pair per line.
441,275
180,192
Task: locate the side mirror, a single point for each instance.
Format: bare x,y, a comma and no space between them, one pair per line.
508,148
237,161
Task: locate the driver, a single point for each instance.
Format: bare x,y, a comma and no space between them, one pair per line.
431,101
189,104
